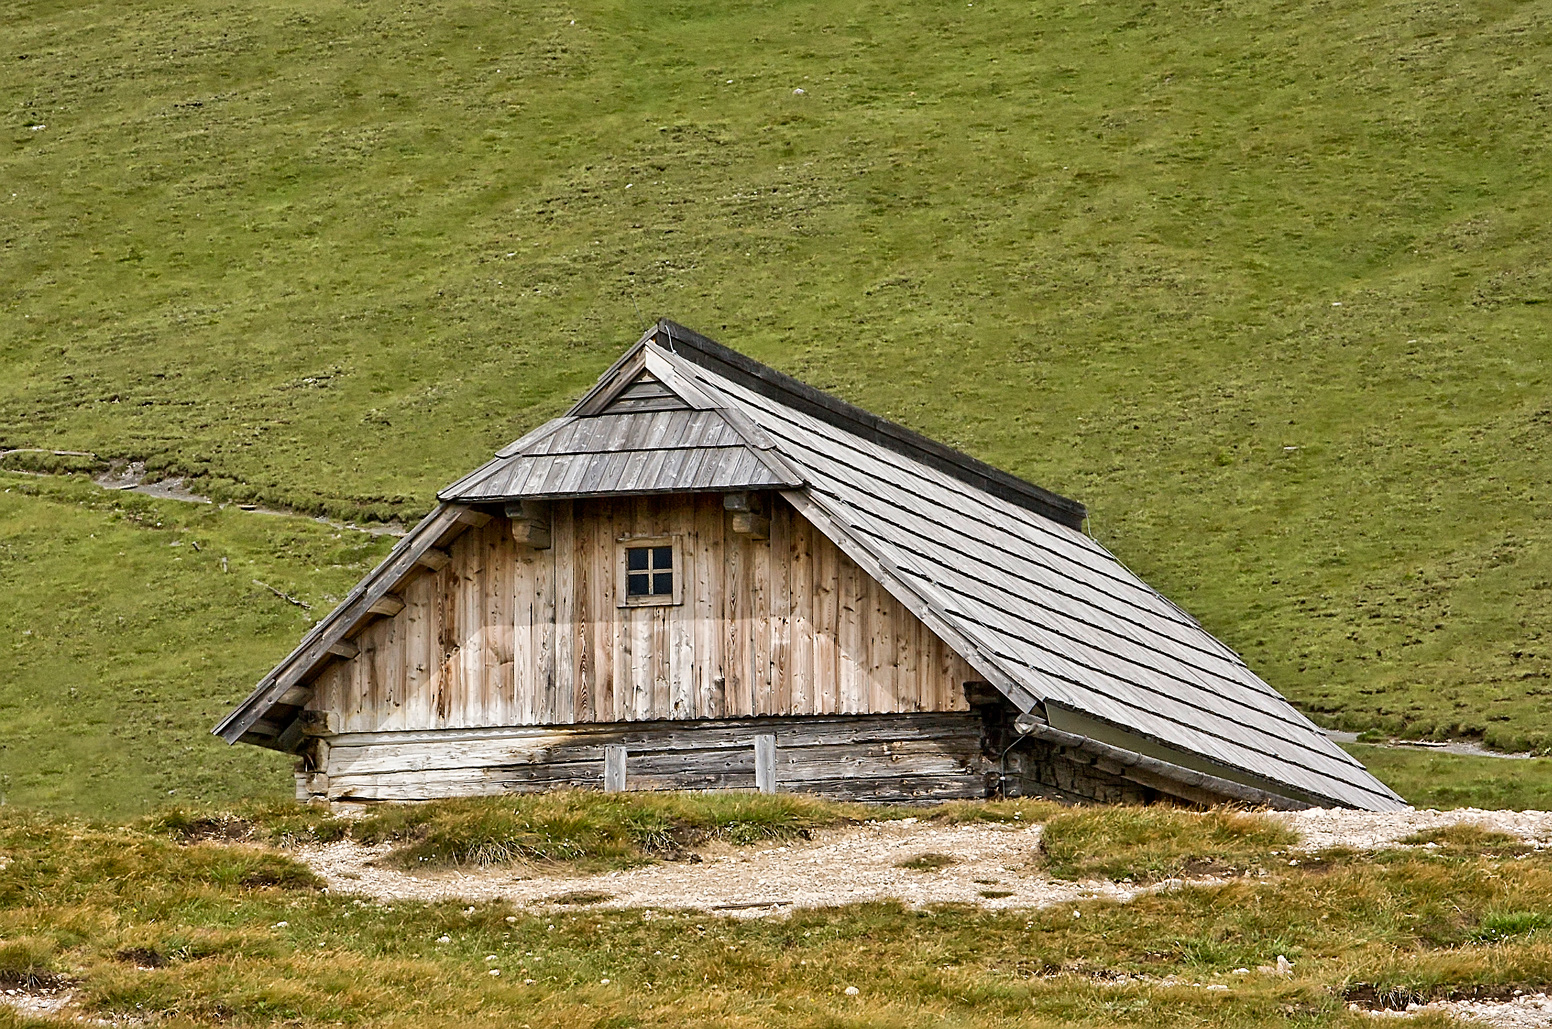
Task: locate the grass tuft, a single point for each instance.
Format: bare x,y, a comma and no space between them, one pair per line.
27,962
612,829
931,861
1147,844
1469,839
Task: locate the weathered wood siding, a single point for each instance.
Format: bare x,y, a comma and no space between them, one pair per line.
506,635
902,757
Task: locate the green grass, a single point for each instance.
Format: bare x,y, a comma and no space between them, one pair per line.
131,625
1147,844
330,255
1430,779
222,933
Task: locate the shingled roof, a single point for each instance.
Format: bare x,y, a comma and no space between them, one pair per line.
998,568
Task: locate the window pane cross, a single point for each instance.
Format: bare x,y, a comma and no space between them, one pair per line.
649,571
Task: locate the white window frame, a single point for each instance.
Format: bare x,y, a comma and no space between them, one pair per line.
653,599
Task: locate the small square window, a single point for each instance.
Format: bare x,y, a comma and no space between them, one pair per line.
648,573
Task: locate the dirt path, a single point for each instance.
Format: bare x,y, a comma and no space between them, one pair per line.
992,865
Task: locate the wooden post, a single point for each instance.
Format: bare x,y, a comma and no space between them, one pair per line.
749,517
765,762
614,768
530,523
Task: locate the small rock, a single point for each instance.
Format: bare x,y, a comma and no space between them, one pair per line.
511,919
280,925
444,939
603,982
495,971
798,91
1284,966
852,991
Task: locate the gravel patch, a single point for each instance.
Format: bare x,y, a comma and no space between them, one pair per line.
1320,828
1527,1012
994,868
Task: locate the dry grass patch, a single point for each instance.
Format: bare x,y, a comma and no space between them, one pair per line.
1147,844
581,827
1467,839
930,861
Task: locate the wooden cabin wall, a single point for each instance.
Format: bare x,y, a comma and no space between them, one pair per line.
507,635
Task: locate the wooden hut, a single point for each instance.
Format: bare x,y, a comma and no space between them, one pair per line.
708,575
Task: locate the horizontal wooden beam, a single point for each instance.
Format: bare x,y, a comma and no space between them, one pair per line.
388,604
530,523
755,526
531,534
344,648
470,517
435,559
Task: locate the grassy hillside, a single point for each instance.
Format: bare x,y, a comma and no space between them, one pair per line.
130,625
1263,284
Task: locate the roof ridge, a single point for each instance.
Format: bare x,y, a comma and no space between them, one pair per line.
708,353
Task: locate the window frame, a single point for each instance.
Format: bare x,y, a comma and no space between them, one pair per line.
622,595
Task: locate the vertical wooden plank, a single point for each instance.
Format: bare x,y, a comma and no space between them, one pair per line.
801,667
563,546
849,638
880,639
448,632
658,703
614,767
780,563
634,636
365,680
526,688
759,630
460,622
942,688
765,762
908,655
668,519
710,681
615,648
418,707
735,628
500,635
454,632
961,674
681,617
555,703
827,678
425,641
